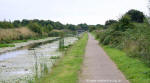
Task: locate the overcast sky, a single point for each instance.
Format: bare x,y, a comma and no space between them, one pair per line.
69,11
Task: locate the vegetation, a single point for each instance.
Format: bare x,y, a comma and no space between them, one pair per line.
6,45
136,16
134,70
66,71
110,22
55,57
15,35
29,29
129,34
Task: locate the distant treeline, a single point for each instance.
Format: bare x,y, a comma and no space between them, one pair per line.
26,29
45,25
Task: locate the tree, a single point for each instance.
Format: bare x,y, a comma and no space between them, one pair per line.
124,24
110,22
35,28
49,27
6,24
84,26
16,23
25,22
92,27
71,27
136,16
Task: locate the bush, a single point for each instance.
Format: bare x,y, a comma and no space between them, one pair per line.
6,24
55,33
132,37
136,15
35,28
110,22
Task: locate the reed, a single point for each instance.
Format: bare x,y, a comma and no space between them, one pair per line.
6,35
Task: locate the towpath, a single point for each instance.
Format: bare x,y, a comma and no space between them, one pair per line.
98,67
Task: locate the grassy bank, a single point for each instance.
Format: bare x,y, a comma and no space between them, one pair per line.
6,45
134,70
66,71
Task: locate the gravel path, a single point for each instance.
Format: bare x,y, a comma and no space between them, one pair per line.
98,67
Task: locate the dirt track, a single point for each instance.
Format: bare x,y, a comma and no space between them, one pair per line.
98,67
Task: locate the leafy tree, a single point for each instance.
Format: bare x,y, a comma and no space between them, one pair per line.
109,22
84,26
124,24
6,24
136,15
16,23
49,27
35,28
71,27
91,28
25,22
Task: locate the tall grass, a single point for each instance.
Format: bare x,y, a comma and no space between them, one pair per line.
6,35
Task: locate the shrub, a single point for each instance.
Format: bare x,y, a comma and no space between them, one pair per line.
110,22
136,15
35,28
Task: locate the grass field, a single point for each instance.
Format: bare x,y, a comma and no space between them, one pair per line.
68,67
134,70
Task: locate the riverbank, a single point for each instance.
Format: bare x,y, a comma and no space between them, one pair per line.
22,44
68,67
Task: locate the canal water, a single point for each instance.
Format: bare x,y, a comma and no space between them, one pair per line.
20,66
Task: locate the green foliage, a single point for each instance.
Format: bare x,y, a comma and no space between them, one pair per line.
17,23
134,70
66,71
84,26
55,57
6,24
132,37
110,22
61,44
71,27
95,27
25,22
123,24
136,15
55,33
35,28
91,28
6,45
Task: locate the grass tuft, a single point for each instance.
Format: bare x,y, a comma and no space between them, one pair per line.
54,57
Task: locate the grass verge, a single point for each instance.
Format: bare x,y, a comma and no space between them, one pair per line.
66,71
134,70
9,43
6,45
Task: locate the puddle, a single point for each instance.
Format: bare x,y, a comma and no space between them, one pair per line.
23,64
